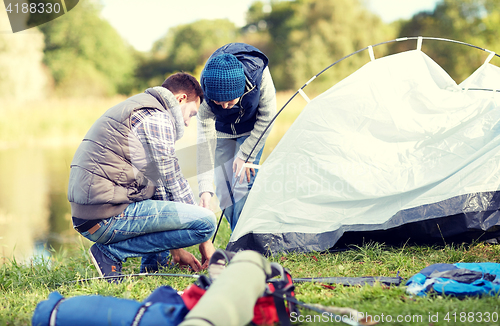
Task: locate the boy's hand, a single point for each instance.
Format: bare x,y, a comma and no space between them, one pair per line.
205,200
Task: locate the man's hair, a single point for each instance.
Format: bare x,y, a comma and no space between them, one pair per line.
182,82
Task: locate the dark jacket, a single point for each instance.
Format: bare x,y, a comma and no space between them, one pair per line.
241,118
110,169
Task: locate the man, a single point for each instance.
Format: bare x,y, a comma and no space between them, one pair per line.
240,102
126,189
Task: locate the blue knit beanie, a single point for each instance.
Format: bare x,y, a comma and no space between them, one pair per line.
224,78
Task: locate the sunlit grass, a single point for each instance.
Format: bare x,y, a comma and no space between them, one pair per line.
23,286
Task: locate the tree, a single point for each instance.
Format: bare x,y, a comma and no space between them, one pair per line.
472,21
280,22
300,37
308,35
86,55
185,48
22,75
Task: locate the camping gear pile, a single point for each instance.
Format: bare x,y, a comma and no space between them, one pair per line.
248,289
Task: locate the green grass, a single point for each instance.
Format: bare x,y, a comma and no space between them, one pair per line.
22,286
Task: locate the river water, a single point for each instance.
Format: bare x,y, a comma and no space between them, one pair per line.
33,206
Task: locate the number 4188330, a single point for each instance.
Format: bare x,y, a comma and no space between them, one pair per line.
33,8
472,317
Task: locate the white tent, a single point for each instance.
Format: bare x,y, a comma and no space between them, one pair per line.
395,151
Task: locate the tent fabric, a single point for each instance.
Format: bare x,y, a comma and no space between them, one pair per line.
459,280
396,151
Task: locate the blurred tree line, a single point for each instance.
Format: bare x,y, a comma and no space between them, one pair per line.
22,74
476,22
85,55
300,37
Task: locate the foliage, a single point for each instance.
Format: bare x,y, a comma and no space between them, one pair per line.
22,76
300,37
306,36
185,48
194,43
471,21
86,55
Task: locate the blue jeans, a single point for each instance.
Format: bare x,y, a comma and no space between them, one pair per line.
231,199
149,228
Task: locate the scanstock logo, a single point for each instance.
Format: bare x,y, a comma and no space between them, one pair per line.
24,14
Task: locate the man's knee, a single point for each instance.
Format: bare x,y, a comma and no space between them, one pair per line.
209,222
212,218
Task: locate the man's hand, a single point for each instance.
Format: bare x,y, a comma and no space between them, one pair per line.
206,250
237,165
184,258
205,200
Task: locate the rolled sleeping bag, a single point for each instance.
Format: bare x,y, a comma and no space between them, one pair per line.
230,299
163,307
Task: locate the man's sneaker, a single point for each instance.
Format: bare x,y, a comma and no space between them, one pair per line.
152,263
104,265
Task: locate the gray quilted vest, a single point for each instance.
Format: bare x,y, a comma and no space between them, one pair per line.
110,168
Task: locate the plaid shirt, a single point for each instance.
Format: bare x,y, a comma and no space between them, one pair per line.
156,132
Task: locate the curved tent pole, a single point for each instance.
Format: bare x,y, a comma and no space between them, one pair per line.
370,47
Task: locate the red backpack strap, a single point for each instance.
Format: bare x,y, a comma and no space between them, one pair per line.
195,291
216,265
281,287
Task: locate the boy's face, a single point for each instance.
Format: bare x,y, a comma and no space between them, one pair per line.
227,104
